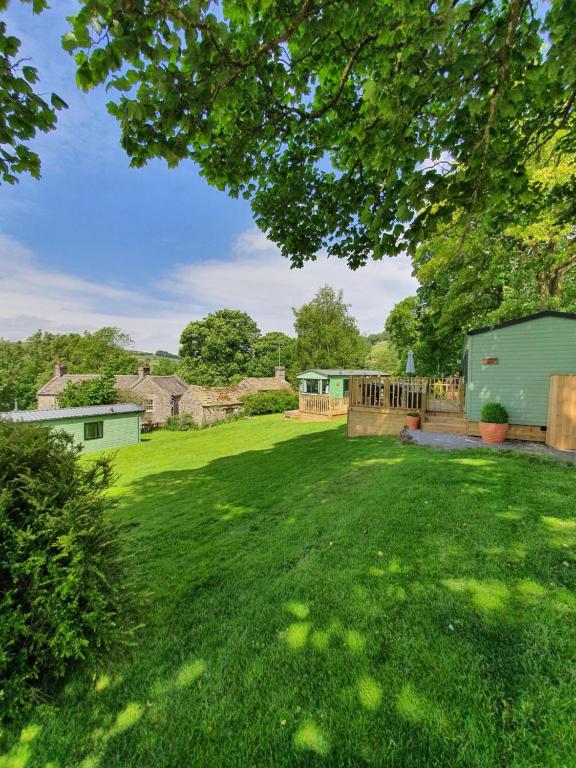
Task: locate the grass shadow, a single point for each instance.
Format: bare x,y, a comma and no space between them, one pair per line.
318,600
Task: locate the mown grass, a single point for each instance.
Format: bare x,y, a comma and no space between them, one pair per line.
318,601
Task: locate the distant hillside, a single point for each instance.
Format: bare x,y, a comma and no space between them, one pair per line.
158,355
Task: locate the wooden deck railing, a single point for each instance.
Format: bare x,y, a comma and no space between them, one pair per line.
323,405
446,395
414,393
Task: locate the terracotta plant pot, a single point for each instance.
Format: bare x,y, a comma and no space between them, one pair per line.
413,422
494,434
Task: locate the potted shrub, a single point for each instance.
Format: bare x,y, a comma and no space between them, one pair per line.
413,420
494,423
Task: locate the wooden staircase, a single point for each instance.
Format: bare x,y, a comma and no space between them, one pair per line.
454,423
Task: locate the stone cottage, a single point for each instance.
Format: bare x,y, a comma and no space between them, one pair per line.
160,395
165,396
253,384
207,405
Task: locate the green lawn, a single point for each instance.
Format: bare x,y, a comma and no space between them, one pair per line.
318,601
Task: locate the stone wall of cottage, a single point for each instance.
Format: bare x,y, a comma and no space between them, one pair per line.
206,415
215,413
162,400
46,401
190,404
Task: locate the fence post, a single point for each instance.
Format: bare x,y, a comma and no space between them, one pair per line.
424,403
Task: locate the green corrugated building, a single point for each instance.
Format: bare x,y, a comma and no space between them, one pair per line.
94,427
511,363
330,381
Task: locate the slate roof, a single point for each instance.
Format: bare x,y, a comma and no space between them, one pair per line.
210,396
123,381
172,384
53,414
57,385
342,372
262,384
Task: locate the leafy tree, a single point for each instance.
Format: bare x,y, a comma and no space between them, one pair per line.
354,127
63,595
402,323
219,349
486,270
272,349
326,334
23,108
26,365
166,366
374,338
99,391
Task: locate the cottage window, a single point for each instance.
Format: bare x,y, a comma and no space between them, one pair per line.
93,430
149,405
312,387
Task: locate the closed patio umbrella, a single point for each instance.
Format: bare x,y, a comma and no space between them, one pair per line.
410,367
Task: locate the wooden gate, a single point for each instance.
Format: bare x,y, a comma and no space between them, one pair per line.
445,395
561,429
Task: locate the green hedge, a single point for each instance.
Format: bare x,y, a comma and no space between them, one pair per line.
184,422
62,588
276,401
494,413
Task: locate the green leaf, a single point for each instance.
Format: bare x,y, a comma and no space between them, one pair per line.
57,102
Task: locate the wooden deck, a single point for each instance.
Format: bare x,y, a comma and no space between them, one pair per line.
379,406
324,406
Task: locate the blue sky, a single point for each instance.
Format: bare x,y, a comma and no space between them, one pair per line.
96,242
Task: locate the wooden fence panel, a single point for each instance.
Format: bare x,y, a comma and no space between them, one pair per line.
446,395
323,405
561,429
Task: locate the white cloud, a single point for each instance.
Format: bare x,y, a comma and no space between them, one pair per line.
33,297
255,279
259,281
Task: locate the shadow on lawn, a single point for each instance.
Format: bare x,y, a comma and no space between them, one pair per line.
357,601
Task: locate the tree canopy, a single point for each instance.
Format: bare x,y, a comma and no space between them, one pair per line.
486,269
26,365
327,336
354,127
272,349
24,109
219,349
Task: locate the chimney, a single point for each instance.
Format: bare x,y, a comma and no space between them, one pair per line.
144,369
60,369
280,372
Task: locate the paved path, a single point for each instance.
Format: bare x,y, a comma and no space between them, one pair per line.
448,442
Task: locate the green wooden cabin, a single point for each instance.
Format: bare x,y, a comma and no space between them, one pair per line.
330,381
94,427
511,363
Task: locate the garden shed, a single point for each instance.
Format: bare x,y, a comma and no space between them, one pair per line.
94,427
512,363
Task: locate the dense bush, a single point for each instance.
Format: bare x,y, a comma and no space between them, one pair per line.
99,391
276,401
62,590
181,423
494,413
